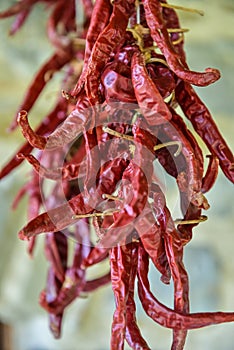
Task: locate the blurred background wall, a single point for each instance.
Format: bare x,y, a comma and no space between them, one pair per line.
209,257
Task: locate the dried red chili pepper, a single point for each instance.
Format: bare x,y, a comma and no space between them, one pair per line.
204,125
159,33
105,44
132,334
120,275
211,174
54,118
99,20
148,97
174,252
115,69
67,132
167,317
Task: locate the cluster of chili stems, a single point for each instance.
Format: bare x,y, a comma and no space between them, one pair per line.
126,52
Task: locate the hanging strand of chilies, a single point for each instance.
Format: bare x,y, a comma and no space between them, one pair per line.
125,72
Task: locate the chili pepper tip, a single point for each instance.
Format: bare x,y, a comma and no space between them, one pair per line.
22,235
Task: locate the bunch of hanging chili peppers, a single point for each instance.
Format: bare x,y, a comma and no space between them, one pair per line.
125,72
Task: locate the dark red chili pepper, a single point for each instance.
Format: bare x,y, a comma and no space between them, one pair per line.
211,174
19,21
56,253
174,252
105,44
148,97
56,219
191,181
54,118
17,8
99,20
153,242
46,72
167,317
61,42
204,125
117,87
171,20
132,334
119,190
52,289
92,285
120,260
67,172
74,280
159,33
162,77
67,132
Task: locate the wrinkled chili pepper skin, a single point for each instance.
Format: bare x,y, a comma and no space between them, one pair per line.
148,97
54,118
153,12
105,44
204,125
211,174
133,335
120,275
119,192
162,77
100,17
117,87
57,218
168,317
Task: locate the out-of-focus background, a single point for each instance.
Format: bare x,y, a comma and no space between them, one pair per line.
209,257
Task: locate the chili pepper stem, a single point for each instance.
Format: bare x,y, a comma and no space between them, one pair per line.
182,8
105,213
170,143
117,134
189,222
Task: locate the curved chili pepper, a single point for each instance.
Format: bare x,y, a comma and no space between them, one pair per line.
203,123
148,97
99,20
67,132
67,172
45,73
167,317
54,118
92,285
171,20
61,42
153,13
190,181
132,334
15,9
56,219
211,174
120,275
105,44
